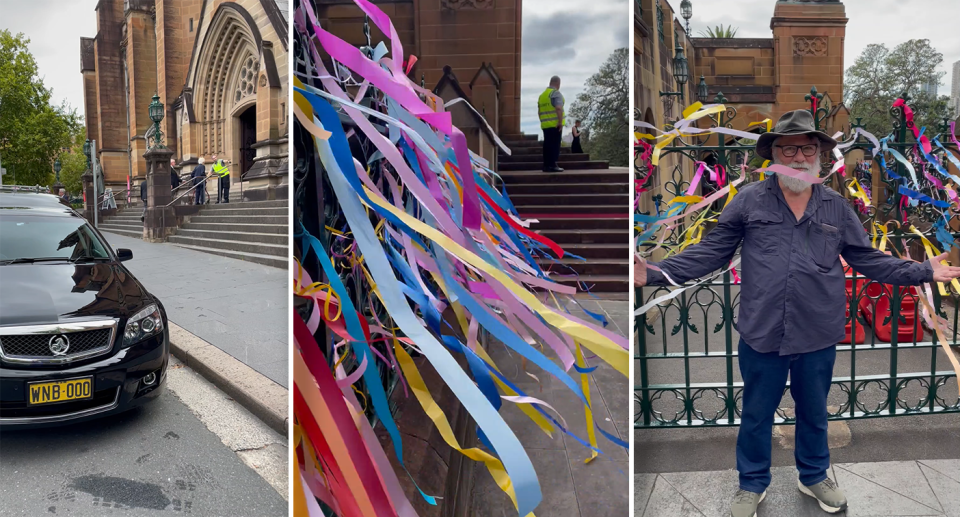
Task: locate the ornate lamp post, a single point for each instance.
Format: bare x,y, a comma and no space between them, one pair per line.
156,115
702,91
686,9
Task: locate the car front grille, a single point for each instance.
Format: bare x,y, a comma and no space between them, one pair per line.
33,345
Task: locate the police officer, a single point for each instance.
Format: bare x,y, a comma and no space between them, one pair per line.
223,186
550,110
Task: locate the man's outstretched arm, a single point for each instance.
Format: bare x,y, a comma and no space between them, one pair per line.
712,253
887,269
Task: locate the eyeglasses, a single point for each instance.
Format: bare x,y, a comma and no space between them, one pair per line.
791,150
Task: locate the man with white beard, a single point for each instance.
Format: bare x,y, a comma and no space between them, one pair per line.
792,301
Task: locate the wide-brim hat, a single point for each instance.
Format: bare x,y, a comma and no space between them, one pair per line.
798,122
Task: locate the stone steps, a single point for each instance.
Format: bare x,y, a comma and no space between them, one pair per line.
579,236
617,202
583,223
237,227
539,177
267,260
611,267
600,283
543,211
240,219
599,251
254,237
277,250
584,209
567,188
538,157
537,165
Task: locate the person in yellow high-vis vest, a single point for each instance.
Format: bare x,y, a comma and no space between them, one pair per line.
223,181
550,110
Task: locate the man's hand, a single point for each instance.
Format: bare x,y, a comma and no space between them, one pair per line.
943,273
640,271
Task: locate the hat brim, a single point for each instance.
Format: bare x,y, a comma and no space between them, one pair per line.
765,142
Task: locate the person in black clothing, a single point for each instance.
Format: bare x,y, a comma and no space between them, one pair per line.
143,197
174,177
575,146
199,175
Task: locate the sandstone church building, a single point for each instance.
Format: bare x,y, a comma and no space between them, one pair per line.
220,70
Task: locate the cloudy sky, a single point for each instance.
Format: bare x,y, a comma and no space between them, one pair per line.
54,28
568,38
871,21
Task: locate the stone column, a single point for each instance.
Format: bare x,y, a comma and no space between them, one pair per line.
160,218
89,195
809,40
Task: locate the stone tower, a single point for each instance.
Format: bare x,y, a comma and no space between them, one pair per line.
808,40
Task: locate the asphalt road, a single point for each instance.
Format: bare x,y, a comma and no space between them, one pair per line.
192,451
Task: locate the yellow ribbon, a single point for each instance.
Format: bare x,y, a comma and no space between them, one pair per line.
690,200
433,411
767,122
596,342
585,386
933,252
763,175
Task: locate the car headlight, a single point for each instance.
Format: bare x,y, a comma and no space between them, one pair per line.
142,325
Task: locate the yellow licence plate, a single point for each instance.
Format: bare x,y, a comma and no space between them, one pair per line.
60,391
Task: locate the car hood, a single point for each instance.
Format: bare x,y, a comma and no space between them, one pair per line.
34,294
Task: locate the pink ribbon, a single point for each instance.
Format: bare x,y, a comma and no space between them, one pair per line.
908,114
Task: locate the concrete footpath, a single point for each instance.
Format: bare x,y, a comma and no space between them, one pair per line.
891,488
242,308
570,487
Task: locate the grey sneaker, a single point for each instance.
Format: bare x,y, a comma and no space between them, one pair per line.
745,503
827,493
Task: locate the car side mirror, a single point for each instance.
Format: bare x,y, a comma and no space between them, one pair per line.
123,254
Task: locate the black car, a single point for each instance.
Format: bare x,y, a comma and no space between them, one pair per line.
80,337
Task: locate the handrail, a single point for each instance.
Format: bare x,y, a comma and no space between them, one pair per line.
205,178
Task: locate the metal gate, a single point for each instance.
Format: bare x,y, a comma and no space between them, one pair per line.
685,372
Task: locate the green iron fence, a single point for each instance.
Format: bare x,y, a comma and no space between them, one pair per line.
685,353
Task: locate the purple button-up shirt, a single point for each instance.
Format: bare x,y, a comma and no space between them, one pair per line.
792,297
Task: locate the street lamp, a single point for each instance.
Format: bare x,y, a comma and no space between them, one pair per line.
686,9
702,90
56,168
86,152
156,115
680,73
680,70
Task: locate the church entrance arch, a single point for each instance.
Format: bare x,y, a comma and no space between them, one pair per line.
225,83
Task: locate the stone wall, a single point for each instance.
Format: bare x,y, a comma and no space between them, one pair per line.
461,34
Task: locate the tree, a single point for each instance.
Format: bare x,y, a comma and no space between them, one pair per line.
880,75
32,130
720,32
603,109
74,164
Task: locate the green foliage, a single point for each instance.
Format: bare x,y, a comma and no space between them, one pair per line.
32,130
880,75
720,32
73,165
603,108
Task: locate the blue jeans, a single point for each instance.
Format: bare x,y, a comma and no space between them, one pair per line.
764,378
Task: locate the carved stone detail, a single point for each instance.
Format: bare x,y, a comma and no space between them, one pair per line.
466,4
810,46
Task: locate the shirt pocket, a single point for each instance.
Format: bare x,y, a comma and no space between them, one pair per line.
825,245
763,231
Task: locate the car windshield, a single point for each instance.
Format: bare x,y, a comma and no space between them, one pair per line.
40,238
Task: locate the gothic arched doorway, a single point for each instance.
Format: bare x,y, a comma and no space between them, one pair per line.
248,136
